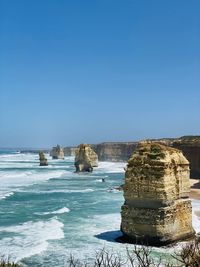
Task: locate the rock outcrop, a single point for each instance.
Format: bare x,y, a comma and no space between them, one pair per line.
43,160
57,153
85,158
157,209
122,151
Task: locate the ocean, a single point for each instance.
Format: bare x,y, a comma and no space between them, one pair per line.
48,213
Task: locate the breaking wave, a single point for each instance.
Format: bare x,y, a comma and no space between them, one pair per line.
30,238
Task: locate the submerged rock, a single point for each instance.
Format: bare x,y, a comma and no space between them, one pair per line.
57,153
157,209
43,160
85,158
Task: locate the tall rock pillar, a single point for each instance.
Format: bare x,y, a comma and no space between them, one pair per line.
43,160
85,158
157,208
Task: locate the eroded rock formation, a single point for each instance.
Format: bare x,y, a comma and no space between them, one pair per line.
43,160
157,209
57,153
85,158
190,146
114,151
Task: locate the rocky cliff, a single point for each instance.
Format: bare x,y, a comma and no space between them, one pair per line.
85,158
190,146
157,209
57,153
43,160
121,151
114,151
70,151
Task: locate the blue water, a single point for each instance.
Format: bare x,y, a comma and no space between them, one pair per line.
48,213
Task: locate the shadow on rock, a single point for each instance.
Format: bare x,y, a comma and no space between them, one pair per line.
110,236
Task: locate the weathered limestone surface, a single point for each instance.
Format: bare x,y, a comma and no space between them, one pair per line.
190,146
85,158
157,209
114,151
43,160
57,153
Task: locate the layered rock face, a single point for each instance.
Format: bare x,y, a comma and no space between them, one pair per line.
70,151
114,151
43,160
157,209
85,158
190,145
57,153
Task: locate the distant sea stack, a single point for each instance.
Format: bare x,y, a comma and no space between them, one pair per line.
57,153
157,210
43,160
85,158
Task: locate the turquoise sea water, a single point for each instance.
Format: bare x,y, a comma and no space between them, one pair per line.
47,213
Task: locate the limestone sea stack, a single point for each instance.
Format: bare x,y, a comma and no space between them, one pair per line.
57,153
157,209
85,158
43,160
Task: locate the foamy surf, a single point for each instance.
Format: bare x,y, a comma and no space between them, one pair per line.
195,217
4,195
110,167
59,211
16,178
30,238
87,190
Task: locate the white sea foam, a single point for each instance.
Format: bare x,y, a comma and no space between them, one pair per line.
16,178
4,195
110,167
18,157
113,190
13,181
59,211
64,191
195,218
29,238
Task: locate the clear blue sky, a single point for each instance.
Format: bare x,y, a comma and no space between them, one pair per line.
75,71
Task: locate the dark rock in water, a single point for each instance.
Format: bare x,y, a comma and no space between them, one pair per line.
157,209
115,189
57,153
43,160
85,158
